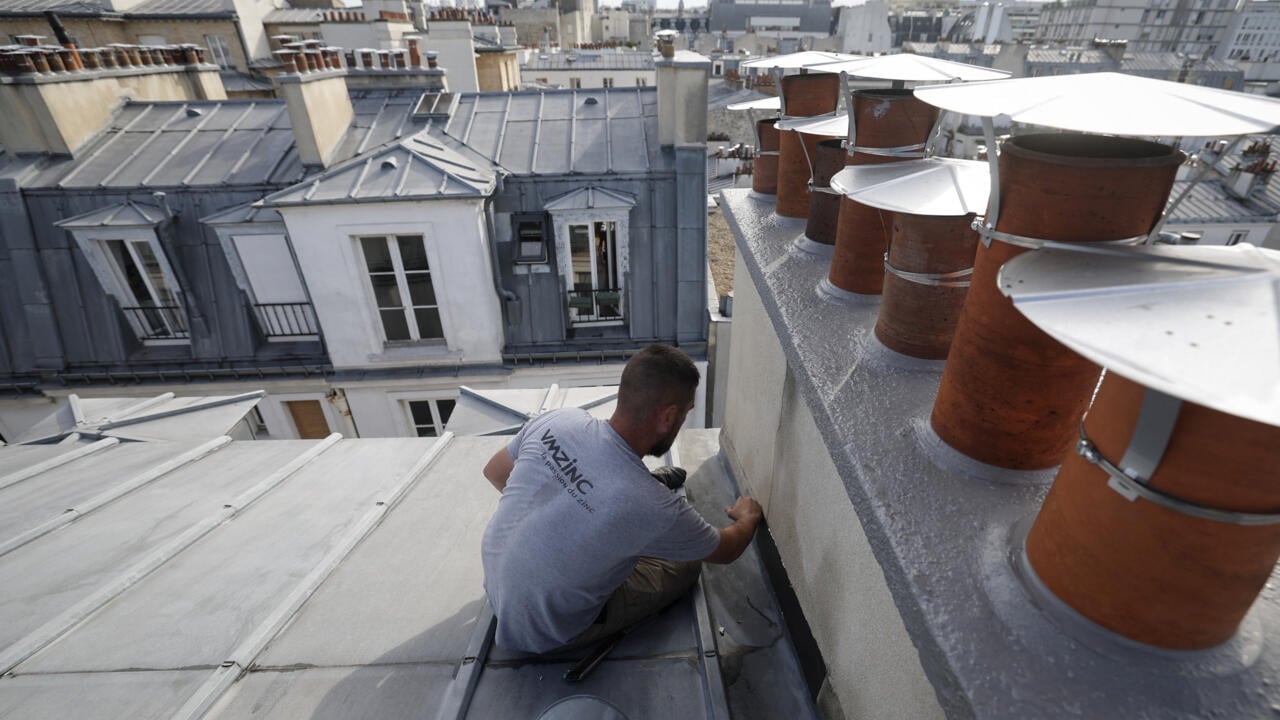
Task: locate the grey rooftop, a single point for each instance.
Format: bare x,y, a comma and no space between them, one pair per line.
589,61
326,579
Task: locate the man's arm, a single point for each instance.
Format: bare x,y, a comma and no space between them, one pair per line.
499,468
746,514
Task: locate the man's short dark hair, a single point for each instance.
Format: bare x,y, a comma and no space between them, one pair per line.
655,377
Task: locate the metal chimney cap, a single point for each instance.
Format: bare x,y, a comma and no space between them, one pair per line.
768,103
811,59
1111,103
1199,323
941,187
907,67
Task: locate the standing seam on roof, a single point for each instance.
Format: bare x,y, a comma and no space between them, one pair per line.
537,132
146,180
608,134
355,186
502,136
644,130
364,141
186,179
155,134
573,129
249,151
115,137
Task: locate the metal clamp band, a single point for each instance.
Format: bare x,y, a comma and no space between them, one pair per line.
760,153
902,151
951,279
1131,489
823,189
989,233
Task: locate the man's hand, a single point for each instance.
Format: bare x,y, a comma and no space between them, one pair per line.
747,509
746,514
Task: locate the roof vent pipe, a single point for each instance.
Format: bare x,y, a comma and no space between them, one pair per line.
889,126
1179,565
1011,396
802,96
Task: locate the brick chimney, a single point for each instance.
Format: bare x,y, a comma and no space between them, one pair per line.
55,99
682,98
319,106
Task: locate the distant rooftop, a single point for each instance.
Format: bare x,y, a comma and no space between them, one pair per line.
592,60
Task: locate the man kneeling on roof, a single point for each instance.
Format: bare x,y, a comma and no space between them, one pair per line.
585,541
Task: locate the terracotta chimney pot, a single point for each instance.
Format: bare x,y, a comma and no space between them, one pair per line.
803,96
431,59
824,204
1011,396
1148,572
764,176
415,57
883,119
918,315
55,62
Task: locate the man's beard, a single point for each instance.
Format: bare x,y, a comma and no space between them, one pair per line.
661,447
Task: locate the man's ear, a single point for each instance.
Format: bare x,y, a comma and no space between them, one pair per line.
667,417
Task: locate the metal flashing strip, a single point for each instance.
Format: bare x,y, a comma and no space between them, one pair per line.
717,703
457,698
242,657
949,279
70,515
149,563
1131,489
57,461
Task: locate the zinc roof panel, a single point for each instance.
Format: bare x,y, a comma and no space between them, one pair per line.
245,116
558,106
629,148
263,157
516,147
553,147
194,148
591,147
105,159
151,155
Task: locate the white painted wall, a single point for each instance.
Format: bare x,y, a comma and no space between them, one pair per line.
589,78
778,456
377,35
453,40
864,28
332,265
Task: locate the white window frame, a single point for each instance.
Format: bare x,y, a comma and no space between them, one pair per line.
437,422
94,247
402,286
219,51
562,221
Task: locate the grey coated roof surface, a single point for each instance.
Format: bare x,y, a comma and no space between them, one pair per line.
590,61
327,579
557,132
217,143
243,214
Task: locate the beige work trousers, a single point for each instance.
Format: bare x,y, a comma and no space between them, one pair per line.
650,588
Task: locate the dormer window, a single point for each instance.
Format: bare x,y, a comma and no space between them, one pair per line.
530,239
122,245
591,233
403,292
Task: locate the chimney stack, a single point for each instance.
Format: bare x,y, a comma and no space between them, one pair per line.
682,98
319,107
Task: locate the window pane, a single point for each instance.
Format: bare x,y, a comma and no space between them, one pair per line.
429,323
413,254
446,409
386,291
421,412
530,248
152,267
133,279
394,323
421,291
426,430
376,255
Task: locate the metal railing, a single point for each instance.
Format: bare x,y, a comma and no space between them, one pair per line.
158,322
287,319
595,305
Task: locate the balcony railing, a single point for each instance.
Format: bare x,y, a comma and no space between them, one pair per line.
287,319
602,305
158,322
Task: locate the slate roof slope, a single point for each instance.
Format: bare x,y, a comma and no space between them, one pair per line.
217,143
183,8
326,579
557,132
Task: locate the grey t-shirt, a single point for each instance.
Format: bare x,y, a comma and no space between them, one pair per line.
579,509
